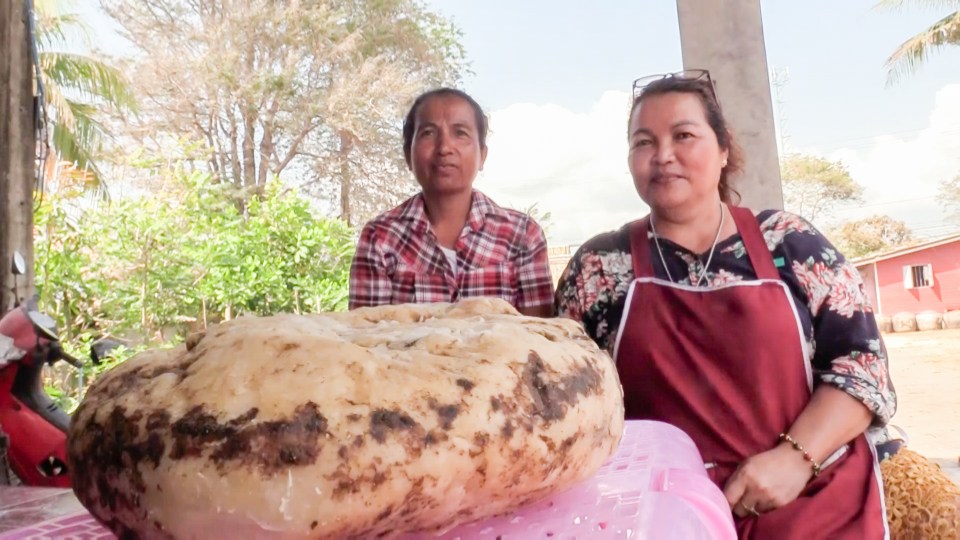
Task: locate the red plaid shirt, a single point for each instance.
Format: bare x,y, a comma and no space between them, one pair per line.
500,253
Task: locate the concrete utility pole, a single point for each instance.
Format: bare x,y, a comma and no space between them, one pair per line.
17,148
726,37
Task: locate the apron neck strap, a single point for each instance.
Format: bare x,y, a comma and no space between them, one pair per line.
747,226
640,247
754,243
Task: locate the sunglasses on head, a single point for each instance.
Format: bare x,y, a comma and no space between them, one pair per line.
686,75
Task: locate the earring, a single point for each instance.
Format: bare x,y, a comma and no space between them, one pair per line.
724,164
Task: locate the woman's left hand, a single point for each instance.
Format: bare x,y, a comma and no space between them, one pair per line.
767,481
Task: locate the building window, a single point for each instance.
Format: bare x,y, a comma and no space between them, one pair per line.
917,276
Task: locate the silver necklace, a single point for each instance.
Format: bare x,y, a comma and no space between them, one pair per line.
703,271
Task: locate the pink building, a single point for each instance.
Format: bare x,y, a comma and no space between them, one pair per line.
923,277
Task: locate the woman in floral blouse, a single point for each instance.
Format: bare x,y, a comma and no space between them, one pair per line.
837,322
749,332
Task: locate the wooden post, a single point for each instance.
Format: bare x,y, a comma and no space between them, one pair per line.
726,37
17,149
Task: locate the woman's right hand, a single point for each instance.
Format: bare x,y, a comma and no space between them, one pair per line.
767,481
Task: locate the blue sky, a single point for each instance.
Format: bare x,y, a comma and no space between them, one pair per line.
568,52
554,77
553,63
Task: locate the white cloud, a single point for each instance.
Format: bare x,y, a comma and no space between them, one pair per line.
571,165
901,175
574,166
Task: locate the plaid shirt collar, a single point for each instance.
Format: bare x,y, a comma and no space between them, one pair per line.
480,208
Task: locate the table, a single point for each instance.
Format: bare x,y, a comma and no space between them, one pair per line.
34,513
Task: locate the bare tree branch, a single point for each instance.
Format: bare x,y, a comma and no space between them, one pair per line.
279,80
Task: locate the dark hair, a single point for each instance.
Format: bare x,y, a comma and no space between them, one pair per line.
703,89
411,119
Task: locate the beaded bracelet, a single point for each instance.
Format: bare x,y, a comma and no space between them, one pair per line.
796,446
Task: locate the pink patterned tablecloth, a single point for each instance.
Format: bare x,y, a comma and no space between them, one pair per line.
41,513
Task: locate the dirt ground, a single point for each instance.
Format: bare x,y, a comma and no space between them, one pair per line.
925,367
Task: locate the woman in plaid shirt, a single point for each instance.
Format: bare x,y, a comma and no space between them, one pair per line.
450,241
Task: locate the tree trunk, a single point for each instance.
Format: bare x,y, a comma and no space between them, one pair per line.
249,159
17,148
212,147
267,151
234,152
346,146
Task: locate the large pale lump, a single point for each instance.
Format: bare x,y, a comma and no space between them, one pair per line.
376,421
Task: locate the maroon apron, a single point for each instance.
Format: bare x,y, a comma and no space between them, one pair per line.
729,366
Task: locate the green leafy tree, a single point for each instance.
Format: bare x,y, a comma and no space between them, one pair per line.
870,235
150,270
912,53
544,219
949,195
813,187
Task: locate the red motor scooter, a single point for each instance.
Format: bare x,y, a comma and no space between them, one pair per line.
34,426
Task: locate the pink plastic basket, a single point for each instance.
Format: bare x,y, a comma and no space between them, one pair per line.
654,487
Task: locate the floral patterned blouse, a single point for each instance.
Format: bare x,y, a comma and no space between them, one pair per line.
837,319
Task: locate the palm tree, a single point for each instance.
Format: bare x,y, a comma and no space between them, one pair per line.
913,52
77,87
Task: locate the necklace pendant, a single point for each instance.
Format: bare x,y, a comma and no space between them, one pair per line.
703,266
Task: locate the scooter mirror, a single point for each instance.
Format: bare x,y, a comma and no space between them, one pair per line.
44,323
19,265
